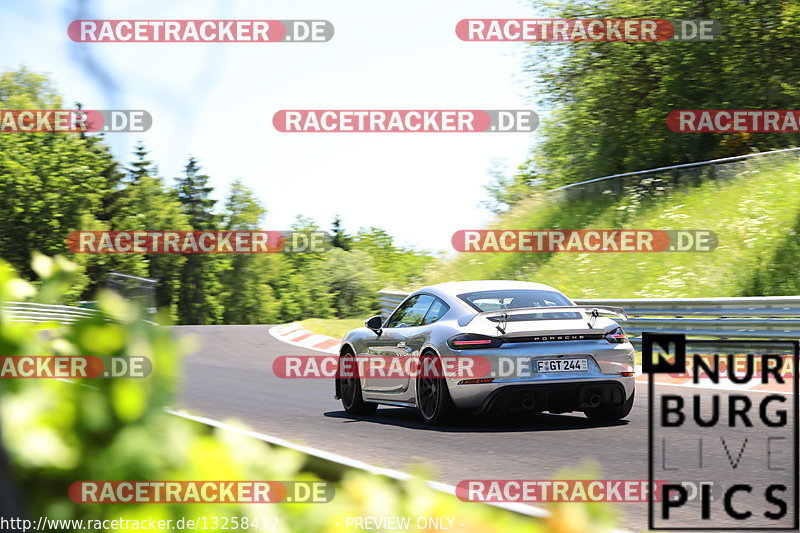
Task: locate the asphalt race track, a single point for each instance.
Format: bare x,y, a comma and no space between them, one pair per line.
230,377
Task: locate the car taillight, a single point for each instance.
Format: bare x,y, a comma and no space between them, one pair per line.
616,336
470,341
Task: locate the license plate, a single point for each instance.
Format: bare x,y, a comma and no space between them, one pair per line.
562,365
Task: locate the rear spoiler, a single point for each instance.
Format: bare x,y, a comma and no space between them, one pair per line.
594,311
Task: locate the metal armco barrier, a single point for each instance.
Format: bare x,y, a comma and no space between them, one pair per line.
389,300
774,317
673,168
658,180
33,312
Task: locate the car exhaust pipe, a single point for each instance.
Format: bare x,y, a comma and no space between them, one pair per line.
594,400
528,403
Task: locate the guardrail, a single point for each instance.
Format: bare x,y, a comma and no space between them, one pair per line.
388,300
34,312
774,317
658,180
672,168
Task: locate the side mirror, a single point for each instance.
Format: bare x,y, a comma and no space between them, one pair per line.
375,323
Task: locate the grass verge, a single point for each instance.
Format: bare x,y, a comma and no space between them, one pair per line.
333,327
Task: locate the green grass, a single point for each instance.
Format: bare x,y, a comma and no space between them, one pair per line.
756,217
333,327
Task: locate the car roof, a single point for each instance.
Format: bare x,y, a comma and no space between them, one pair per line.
454,288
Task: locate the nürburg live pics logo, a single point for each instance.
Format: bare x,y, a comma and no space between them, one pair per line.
725,445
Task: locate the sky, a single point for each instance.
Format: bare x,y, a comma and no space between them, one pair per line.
215,101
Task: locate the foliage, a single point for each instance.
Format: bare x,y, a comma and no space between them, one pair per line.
246,296
609,100
55,183
352,281
397,267
145,203
506,191
339,238
49,180
198,296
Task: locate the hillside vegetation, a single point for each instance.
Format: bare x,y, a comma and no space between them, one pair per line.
756,216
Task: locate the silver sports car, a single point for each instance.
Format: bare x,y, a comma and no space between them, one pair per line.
529,348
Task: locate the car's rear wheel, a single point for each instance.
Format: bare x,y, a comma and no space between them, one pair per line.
611,412
350,387
433,396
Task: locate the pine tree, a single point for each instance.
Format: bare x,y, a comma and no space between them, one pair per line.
198,301
141,166
193,193
340,238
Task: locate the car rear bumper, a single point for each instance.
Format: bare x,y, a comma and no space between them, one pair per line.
557,396
553,397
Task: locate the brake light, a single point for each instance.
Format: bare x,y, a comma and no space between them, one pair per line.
616,336
470,341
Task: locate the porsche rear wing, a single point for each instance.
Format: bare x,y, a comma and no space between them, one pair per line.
593,311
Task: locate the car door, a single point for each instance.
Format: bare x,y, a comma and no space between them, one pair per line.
414,336
401,337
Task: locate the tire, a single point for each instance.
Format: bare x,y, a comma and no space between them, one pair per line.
433,396
350,391
611,412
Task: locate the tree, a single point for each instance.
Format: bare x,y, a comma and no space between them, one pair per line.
610,100
141,166
247,297
142,203
353,282
150,205
298,280
199,286
56,183
112,174
193,194
339,239
52,183
396,266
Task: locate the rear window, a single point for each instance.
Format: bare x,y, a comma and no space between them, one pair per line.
500,300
